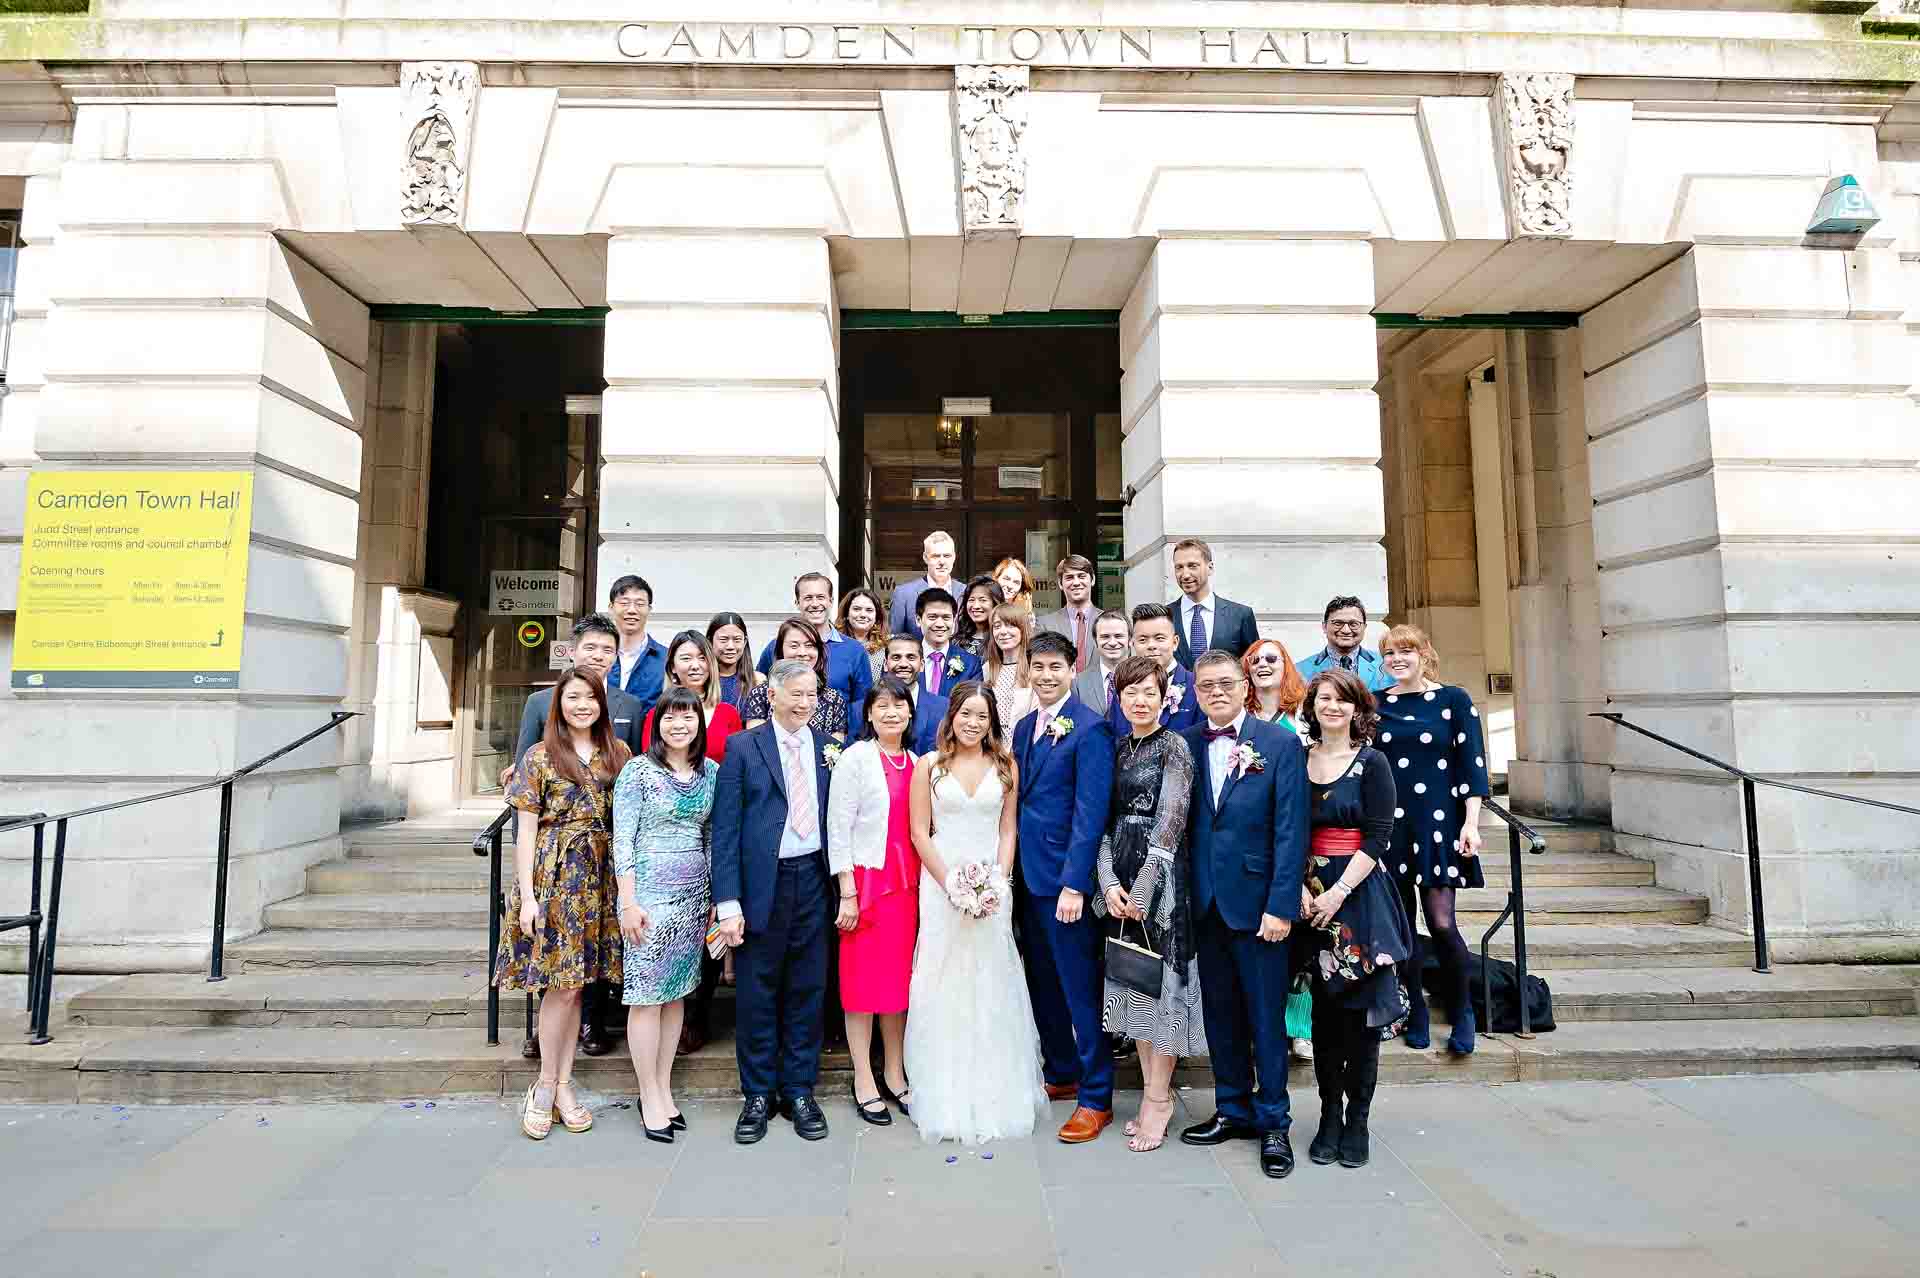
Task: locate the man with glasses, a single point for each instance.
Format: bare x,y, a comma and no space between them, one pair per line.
1345,623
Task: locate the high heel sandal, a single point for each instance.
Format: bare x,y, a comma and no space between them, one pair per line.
577,1118
536,1115
1140,1135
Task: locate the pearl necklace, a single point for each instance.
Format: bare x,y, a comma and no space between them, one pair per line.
888,759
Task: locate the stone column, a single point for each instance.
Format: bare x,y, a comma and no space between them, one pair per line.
181,335
1756,517
1250,420
720,434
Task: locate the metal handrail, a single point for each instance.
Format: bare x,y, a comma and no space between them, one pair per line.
1516,908
487,843
1749,782
40,957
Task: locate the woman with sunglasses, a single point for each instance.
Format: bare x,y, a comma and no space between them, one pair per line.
1274,688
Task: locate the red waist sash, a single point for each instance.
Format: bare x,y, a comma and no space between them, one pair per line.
1334,840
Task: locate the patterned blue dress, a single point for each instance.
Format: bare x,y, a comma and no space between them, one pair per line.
1439,757
662,835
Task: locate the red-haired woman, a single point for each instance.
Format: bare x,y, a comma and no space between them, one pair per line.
563,928
1274,688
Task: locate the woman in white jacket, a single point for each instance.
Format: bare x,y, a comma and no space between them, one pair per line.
868,832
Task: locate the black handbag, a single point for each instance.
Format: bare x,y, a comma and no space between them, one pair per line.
1135,966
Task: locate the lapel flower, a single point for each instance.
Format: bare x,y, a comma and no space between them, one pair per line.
830,755
1060,727
955,665
1245,759
1173,696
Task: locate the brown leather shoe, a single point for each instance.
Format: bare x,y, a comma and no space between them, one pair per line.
1062,1091
1085,1125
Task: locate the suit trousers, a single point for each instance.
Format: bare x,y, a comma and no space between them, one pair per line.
780,979
1243,998
1064,981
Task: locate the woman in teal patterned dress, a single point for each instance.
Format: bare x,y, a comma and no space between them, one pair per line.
662,805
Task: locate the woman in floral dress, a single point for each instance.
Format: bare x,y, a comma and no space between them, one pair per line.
563,931
662,805
1359,938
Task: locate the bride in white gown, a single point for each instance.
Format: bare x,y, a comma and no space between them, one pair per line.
972,1052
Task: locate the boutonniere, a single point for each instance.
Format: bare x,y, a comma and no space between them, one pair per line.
1060,727
955,665
830,755
1173,695
1245,759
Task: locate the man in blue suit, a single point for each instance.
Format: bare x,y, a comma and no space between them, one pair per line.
1247,828
945,665
640,666
903,663
1065,753
1153,636
774,899
848,670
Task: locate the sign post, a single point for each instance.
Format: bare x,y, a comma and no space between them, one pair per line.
133,579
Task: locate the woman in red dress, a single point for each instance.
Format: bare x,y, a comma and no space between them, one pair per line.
690,665
868,833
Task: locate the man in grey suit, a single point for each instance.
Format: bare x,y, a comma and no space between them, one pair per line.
1202,619
1075,621
1112,643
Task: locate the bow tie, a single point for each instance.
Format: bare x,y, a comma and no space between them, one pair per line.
1214,734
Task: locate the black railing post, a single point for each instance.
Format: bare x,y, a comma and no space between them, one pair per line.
216,970
493,942
33,927
44,1003
1519,931
1762,959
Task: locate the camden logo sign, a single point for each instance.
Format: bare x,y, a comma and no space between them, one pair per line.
1047,46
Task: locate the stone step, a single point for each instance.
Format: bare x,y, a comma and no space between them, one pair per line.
382,911
462,948
383,998
1560,836
91,1064
1618,945
1548,906
1567,869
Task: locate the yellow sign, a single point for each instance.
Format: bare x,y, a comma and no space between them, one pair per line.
531,633
133,579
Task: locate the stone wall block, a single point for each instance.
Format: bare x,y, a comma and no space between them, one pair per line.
770,270
733,198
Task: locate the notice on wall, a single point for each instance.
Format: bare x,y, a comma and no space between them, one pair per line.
518,592
133,579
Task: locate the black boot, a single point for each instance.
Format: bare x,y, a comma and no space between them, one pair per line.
1362,1074
1329,1061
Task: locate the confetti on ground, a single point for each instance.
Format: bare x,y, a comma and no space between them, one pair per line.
953,1158
987,1156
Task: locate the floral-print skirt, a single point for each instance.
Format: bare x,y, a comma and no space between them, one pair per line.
1353,957
577,940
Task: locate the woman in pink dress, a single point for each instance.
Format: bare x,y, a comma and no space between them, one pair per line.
869,835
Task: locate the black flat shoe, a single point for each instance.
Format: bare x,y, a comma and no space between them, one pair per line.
874,1111
1276,1155
886,1094
1217,1131
678,1122
751,1126
804,1112
595,1043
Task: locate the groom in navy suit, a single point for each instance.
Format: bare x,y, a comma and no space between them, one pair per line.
1065,752
775,901
1248,832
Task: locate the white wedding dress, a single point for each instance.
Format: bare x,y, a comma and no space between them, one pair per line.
972,1053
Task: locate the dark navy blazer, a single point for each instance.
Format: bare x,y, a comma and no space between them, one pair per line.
1066,787
849,670
970,668
1250,853
923,734
750,816
1184,716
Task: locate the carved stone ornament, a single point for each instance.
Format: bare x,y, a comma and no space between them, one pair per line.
990,111
437,101
1536,139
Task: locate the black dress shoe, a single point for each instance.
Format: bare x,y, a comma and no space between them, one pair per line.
752,1123
808,1122
530,1048
1217,1131
678,1122
874,1111
1276,1155
594,1042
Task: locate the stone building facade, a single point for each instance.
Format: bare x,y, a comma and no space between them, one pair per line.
1505,319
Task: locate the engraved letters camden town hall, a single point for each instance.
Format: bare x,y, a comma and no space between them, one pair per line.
912,45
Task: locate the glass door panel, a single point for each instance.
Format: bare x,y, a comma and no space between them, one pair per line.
1036,540
1021,458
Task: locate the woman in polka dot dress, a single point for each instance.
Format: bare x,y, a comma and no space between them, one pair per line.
1430,733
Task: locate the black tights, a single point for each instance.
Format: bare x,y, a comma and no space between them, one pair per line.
1450,947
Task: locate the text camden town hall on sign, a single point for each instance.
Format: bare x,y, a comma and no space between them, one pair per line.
948,45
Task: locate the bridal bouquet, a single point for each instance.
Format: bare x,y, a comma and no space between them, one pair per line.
977,888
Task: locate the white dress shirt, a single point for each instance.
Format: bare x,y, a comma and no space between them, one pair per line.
1219,750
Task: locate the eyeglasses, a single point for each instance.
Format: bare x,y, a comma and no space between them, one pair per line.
1346,625
1218,685
1267,659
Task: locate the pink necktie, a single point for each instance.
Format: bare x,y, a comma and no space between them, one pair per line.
933,672
800,798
